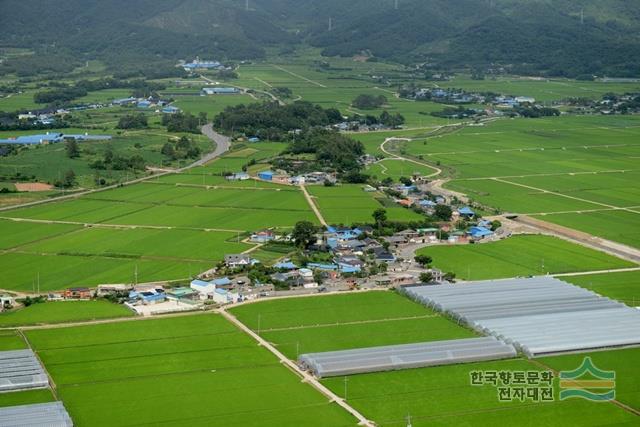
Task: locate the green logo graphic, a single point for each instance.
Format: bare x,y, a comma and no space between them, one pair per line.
588,382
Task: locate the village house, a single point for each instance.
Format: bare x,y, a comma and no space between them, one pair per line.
6,302
263,237
238,260
77,293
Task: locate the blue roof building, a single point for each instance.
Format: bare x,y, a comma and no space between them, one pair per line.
479,232
266,175
467,212
144,104
170,109
285,266
222,282
254,139
47,138
427,203
323,267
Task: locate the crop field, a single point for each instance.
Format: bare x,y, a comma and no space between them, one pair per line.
211,105
443,396
348,204
624,286
10,340
336,322
519,256
61,312
195,370
579,172
397,168
25,397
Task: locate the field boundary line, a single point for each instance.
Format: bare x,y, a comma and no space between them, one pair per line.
306,377
504,181
355,322
299,76
589,273
535,175
52,384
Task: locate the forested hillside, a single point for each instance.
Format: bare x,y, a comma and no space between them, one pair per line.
556,37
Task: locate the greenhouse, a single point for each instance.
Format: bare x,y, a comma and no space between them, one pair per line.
21,370
42,414
539,316
395,357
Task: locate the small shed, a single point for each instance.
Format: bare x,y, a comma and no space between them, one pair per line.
266,175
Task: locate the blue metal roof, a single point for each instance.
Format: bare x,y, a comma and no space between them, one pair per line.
200,283
327,267
480,232
466,211
286,266
222,282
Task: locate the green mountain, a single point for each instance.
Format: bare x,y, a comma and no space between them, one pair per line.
558,37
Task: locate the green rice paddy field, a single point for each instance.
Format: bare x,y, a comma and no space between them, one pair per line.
62,312
580,172
522,255
347,204
192,370
624,286
435,395
334,322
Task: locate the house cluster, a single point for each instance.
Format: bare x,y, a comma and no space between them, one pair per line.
219,291
358,126
53,138
311,178
608,105
160,105
459,96
201,65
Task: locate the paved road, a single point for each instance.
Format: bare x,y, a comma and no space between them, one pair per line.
223,144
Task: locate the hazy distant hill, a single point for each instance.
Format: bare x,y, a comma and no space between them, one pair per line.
554,36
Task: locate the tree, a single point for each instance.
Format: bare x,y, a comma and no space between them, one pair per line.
380,217
449,277
495,225
133,121
304,233
443,212
426,277
423,260
68,181
73,150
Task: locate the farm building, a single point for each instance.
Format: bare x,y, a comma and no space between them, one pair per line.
220,91
77,293
124,101
48,138
201,65
479,232
266,175
202,287
263,237
6,301
170,109
466,212
240,176
181,294
148,297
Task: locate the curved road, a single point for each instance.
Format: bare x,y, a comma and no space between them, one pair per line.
223,143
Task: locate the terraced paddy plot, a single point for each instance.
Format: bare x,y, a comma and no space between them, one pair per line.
62,312
140,242
14,234
193,370
443,396
520,256
340,322
229,219
81,210
617,225
24,271
348,204
27,397
396,168
624,287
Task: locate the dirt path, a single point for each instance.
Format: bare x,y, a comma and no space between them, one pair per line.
305,376
358,322
313,206
437,171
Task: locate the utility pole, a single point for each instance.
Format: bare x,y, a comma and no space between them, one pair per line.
346,381
246,5
408,420
38,283
330,23
582,16
259,322
396,5
135,274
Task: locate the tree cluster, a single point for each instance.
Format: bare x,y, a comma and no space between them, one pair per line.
184,122
369,102
184,148
133,121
